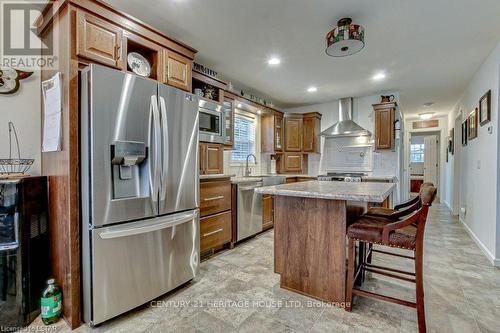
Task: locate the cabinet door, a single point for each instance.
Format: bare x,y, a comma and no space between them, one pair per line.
384,124
229,115
202,157
310,139
99,40
177,71
214,159
293,134
293,163
267,211
278,133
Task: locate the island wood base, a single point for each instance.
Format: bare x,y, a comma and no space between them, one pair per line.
310,246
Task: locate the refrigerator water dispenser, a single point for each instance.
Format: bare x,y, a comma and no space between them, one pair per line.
127,158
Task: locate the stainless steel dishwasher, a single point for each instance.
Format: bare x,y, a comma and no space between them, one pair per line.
249,214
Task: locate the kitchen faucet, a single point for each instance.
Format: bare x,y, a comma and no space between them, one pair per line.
247,170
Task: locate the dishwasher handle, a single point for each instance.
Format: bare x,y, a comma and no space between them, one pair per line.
250,187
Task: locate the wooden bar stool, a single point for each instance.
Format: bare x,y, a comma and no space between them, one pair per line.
408,234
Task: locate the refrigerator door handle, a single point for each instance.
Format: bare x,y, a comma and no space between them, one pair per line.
167,223
165,149
154,175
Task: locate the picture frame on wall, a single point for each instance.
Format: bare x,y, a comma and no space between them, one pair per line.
473,124
465,132
485,108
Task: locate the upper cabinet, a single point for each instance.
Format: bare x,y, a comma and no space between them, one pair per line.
311,128
99,40
384,125
293,132
211,158
177,70
272,132
228,105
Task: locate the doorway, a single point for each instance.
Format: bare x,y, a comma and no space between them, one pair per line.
424,160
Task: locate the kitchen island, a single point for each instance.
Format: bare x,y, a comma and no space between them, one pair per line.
310,221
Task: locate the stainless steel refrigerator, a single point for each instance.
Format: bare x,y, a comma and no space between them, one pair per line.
139,190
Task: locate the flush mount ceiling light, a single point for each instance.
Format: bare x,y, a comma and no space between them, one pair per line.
239,105
274,61
345,39
426,115
428,104
312,89
379,76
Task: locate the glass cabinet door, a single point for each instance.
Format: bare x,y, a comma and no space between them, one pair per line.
229,121
278,133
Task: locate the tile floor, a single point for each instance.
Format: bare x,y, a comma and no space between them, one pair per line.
237,291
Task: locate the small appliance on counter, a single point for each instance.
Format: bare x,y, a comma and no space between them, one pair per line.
24,249
139,190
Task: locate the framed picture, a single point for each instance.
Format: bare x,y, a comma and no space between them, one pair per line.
472,133
465,132
485,108
451,142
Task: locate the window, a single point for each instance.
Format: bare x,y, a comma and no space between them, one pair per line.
244,137
417,153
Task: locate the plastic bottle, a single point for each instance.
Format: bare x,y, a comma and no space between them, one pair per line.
51,303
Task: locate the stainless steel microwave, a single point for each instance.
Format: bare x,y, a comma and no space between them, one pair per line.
211,122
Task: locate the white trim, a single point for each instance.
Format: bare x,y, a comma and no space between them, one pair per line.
494,261
446,203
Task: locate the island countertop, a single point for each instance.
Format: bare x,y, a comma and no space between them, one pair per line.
362,191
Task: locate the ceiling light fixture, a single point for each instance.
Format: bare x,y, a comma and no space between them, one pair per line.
274,61
239,105
426,115
428,104
259,111
345,39
379,76
312,89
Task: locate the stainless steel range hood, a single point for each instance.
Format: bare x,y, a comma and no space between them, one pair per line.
345,126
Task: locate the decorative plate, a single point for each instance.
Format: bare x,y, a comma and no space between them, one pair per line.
138,64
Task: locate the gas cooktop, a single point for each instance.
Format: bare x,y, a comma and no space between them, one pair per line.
342,176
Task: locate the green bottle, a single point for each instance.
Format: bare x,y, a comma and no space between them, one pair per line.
51,303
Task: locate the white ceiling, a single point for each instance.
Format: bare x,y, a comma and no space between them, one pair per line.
429,48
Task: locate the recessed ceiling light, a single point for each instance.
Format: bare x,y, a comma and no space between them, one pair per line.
274,61
426,115
312,89
379,76
259,111
239,105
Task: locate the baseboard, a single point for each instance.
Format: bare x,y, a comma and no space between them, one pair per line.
491,258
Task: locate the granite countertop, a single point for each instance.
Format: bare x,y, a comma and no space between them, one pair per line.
363,192
242,179
393,179
216,176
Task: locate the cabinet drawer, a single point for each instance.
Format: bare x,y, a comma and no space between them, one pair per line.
215,197
215,230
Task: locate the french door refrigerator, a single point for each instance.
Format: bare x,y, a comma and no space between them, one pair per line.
139,190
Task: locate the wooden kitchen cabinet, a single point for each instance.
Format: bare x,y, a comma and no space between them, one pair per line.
384,125
99,40
267,212
177,70
211,158
311,128
215,197
293,132
293,163
215,230
272,132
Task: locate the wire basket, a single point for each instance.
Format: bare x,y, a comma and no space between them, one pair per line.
14,166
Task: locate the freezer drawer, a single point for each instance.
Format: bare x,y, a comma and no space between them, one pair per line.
137,262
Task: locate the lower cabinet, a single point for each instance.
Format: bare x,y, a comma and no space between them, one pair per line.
215,212
215,230
267,212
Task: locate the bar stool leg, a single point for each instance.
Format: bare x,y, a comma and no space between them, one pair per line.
351,253
419,282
